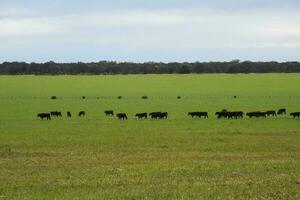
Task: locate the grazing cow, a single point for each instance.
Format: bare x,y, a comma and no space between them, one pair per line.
198,114
271,113
257,114
222,114
155,115
56,114
122,116
141,115
281,111
159,115
81,114
44,115
230,115
109,113
295,114
193,114
163,115
69,114
236,114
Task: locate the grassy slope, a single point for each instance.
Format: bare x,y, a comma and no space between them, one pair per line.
182,158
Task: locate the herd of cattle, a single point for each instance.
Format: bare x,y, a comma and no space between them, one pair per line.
224,114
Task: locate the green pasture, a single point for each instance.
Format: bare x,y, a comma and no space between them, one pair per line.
99,157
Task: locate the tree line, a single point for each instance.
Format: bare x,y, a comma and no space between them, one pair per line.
108,67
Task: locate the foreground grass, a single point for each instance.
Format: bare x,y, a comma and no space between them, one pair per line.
180,158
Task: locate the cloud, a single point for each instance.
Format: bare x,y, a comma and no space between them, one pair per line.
169,29
12,28
176,31
15,12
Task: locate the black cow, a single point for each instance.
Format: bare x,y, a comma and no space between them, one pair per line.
271,113
295,114
69,114
163,115
81,114
257,114
281,111
44,115
193,114
141,115
122,116
230,115
198,114
155,115
236,114
159,115
222,114
109,113
56,114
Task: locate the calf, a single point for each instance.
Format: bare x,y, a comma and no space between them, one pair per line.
44,115
81,114
69,114
122,116
141,115
281,111
295,114
109,113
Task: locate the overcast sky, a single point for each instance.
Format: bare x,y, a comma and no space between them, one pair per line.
149,30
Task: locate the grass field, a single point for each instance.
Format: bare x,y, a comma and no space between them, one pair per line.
100,157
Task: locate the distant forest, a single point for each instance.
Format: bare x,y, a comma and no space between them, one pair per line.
106,68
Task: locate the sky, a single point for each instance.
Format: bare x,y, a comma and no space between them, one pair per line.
149,30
